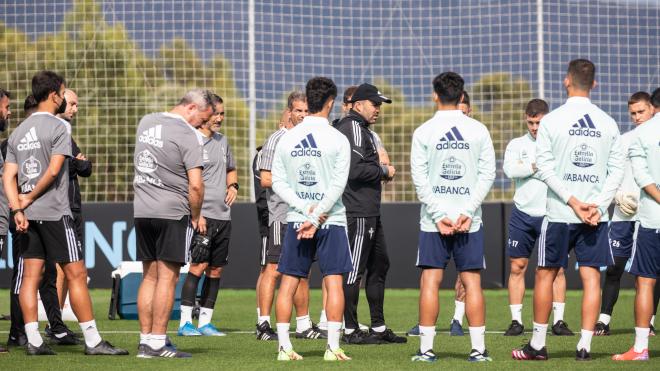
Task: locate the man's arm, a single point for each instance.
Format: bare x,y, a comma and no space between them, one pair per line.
10,171
54,167
485,176
360,169
81,166
232,192
545,162
420,174
640,168
195,195
266,180
281,186
515,167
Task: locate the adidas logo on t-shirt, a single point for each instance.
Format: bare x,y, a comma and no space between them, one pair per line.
29,141
585,128
306,147
452,140
152,136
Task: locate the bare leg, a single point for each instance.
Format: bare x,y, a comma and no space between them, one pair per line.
474,300
284,303
146,295
459,289
301,298
428,296
62,286
81,303
559,287
168,275
335,304
516,283
267,289
644,301
543,294
32,272
591,297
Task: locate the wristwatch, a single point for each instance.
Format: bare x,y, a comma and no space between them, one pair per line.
235,185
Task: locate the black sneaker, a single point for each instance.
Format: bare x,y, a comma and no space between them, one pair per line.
388,336
265,332
311,333
164,352
527,353
561,329
515,329
67,339
582,355
17,340
104,348
360,337
65,330
602,329
43,350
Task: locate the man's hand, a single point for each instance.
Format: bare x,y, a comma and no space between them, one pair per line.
390,172
534,168
463,224
21,221
200,225
586,212
322,218
306,231
445,227
24,200
80,156
627,203
231,196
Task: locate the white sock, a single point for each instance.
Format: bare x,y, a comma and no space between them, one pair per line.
144,338
283,336
459,311
516,312
477,338
379,328
585,340
605,318
653,320
323,318
205,315
349,331
426,336
641,339
90,333
258,312
263,319
333,335
538,335
186,315
33,335
557,312
303,323
157,341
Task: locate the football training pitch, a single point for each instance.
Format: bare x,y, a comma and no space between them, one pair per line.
235,314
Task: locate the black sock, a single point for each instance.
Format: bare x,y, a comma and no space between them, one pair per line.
210,293
189,290
612,285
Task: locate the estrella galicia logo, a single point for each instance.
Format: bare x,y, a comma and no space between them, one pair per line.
307,175
306,147
452,169
452,140
584,128
583,156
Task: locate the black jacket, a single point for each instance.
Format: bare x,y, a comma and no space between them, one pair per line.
362,194
77,168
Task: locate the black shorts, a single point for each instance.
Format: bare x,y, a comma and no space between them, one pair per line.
276,233
78,224
163,239
218,232
52,240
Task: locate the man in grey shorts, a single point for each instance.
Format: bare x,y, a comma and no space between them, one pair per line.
168,198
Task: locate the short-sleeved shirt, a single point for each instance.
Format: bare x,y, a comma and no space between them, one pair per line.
166,147
4,205
31,146
218,160
277,208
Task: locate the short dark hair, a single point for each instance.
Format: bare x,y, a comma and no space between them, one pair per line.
30,104
4,93
582,73
293,97
448,86
536,107
318,90
44,83
466,98
640,96
216,99
348,93
655,98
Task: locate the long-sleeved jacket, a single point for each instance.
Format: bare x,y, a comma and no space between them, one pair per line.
628,184
644,156
578,153
531,193
77,167
452,163
363,189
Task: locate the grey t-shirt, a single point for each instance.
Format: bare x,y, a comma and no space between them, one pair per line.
218,160
166,147
4,206
30,146
277,208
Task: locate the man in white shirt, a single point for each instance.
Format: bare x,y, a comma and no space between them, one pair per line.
579,157
526,220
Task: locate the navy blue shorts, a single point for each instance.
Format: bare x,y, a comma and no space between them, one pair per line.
524,230
589,243
646,253
329,245
621,235
467,249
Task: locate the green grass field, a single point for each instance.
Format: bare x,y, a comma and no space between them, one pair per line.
235,314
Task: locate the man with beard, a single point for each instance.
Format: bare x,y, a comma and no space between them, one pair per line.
5,112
